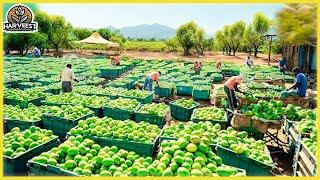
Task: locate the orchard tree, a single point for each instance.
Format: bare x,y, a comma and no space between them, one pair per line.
297,23
81,33
235,36
255,33
59,35
39,40
201,43
185,35
105,33
172,44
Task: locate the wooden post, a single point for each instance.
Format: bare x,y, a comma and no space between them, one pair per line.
270,42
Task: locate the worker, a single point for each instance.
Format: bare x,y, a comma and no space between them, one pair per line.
219,64
197,67
249,62
300,85
67,76
154,76
229,87
36,52
282,65
115,61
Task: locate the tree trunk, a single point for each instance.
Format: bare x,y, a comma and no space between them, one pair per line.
255,52
229,51
234,51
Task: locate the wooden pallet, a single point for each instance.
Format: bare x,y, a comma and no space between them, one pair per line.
307,162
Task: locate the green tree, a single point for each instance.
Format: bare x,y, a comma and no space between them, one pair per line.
81,33
220,42
185,35
105,33
118,38
39,40
255,33
60,30
235,36
172,44
297,23
201,43
16,41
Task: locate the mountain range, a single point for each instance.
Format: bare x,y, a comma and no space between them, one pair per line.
146,31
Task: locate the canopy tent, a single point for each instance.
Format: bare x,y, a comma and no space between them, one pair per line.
96,38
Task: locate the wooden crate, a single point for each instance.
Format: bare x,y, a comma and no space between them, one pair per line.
306,164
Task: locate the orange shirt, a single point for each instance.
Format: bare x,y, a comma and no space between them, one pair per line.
232,82
154,76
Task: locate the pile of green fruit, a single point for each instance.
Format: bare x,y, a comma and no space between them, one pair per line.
127,130
78,99
270,110
90,80
190,155
84,157
311,142
241,144
206,129
49,79
202,82
135,93
220,91
306,126
185,103
209,113
124,104
70,112
167,85
24,95
17,142
154,109
292,112
54,86
202,87
30,114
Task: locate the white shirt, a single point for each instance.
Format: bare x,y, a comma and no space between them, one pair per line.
67,75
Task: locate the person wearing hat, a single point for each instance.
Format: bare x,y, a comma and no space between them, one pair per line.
66,77
230,87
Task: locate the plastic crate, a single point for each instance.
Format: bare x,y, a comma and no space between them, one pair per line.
119,114
184,90
138,147
151,118
39,169
46,83
223,122
111,73
11,123
180,113
23,104
164,92
201,94
252,167
60,126
18,166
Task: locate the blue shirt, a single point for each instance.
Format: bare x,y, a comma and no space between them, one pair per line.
302,88
282,63
37,52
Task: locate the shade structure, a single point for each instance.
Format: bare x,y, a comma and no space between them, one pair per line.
96,38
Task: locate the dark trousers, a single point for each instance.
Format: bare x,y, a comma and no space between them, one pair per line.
66,86
232,100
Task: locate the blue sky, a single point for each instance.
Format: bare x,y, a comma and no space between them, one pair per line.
210,16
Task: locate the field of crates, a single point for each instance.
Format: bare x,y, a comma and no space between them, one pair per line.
108,126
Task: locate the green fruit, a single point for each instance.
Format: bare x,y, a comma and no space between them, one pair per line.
167,172
72,151
182,171
70,164
195,139
191,147
196,172
107,162
142,172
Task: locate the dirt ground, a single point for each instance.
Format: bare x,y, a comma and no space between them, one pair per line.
240,58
